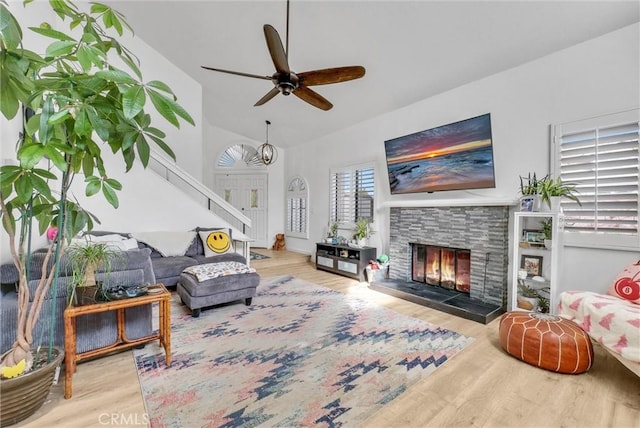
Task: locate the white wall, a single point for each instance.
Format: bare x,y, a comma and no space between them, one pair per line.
596,77
216,141
186,141
147,201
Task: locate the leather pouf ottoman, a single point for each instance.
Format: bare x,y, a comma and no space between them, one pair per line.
546,341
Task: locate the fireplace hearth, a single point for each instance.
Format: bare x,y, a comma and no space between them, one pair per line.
453,259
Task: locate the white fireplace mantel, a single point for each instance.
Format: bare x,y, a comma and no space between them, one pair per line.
426,203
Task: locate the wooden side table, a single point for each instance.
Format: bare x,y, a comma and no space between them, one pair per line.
163,297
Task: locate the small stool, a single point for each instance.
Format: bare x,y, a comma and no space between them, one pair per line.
223,289
546,341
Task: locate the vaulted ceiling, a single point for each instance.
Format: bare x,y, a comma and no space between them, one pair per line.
411,50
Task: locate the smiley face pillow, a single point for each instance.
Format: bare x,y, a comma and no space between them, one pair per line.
216,242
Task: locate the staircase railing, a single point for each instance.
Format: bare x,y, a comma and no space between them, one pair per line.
208,198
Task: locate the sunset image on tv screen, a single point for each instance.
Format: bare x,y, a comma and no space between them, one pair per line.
450,157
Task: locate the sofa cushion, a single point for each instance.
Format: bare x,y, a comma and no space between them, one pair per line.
227,257
167,267
168,243
627,284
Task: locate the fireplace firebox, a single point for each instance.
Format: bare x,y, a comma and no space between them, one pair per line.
445,267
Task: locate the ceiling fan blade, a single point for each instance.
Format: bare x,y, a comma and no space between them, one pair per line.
272,93
236,73
313,98
278,55
331,75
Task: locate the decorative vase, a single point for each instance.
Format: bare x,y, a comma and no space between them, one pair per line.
530,203
362,242
527,303
87,295
554,203
548,243
22,396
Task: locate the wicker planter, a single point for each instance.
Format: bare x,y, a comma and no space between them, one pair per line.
22,396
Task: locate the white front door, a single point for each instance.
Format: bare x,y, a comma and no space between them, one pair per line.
247,193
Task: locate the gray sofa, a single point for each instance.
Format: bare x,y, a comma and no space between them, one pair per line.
93,331
144,265
168,269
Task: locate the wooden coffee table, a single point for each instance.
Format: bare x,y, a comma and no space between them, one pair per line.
157,293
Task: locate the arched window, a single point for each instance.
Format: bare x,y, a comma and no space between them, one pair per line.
239,152
297,208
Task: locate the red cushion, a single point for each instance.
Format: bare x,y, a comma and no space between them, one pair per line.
627,284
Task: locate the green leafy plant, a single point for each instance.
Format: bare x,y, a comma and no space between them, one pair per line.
86,259
362,229
81,103
525,291
530,185
547,224
333,230
550,188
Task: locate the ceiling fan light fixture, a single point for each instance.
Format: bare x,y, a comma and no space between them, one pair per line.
267,152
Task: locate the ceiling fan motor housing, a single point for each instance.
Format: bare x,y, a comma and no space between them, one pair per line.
286,82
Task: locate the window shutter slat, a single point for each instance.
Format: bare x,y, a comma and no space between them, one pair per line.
601,157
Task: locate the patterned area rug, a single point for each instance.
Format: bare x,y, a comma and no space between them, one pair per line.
300,355
257,256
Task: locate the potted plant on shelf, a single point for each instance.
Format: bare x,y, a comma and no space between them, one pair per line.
362,231
530,192
79,101
85,260
527,297
547,225
552,191
333,233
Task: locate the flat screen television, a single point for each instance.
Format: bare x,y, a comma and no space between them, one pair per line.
456,156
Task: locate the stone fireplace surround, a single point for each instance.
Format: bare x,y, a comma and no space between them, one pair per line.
481,229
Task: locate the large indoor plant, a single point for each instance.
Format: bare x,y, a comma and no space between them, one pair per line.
79,100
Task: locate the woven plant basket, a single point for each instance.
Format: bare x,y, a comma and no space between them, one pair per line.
22,396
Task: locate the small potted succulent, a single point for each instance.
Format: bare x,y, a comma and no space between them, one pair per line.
530,192
527,298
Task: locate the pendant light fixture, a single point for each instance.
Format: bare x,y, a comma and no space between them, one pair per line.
267,152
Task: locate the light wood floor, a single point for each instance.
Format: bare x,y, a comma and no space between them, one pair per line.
480,387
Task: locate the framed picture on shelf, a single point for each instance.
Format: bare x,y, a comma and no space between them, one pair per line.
526,203
534,237
532,264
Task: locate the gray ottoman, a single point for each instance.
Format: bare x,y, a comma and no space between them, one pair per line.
224,289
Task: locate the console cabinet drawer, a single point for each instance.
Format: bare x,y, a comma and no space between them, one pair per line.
348,267
325,261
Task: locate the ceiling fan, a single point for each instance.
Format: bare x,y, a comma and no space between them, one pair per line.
287,82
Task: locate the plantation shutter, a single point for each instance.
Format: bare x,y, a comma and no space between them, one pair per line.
364,187
352,195
297,199
601,157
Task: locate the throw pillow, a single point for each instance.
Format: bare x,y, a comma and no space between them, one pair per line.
216,241
168,243
627,284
